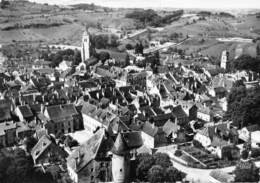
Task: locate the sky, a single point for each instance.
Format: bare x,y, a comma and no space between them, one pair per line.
205,4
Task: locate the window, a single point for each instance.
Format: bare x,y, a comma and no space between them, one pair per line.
92,169
37,153
121,169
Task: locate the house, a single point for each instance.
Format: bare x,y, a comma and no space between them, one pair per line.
251,133
41,64
61,119
153,136
64,65
23,130
24,113
205,135
171,130
246,132
94,118
91,162
29,93
47,151
224,149
7,134
180,114
204,113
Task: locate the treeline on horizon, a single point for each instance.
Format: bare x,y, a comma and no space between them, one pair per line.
151,18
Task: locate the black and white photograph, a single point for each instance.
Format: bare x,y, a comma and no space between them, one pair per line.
129,91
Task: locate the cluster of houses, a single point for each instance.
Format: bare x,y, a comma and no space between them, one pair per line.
126,111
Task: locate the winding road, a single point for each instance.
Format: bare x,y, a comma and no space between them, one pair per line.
196,174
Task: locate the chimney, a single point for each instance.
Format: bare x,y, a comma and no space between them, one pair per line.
176,121
42,108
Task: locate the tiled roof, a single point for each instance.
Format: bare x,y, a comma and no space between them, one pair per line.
170,127
149,129
218,142
161,119
36,108
61,111
253,128
43,143
209,131
179,112
25,111
127,141
103,116
222,81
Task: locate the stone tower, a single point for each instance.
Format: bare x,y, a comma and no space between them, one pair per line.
85,49
125,142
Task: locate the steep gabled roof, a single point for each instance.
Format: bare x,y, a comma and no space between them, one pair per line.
25,111
179,112
127,141
96,147
43,143
149,129
170,127
61,111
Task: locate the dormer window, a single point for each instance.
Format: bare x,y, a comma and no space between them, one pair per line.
37,153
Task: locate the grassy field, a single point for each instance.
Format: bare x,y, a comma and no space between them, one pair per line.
32,22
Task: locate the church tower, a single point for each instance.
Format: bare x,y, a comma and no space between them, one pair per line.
85,49
224,59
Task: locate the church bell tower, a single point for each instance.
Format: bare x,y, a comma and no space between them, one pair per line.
85,49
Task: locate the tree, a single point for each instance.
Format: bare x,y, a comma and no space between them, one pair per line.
246,171
258,49
127,60
246,62
162,159
145,162
139,49
14,165
77,58
242,104
128,46
103,56
156,174
173,175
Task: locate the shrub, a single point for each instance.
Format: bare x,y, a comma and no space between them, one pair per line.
129,47
197,144
255,153
178,153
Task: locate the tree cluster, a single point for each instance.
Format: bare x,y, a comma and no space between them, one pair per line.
246,171
243,106
4,4
103,41
151,18
157,168
246,62
139,48
59,56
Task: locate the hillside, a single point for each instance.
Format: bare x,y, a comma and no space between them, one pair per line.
32,22
26,21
